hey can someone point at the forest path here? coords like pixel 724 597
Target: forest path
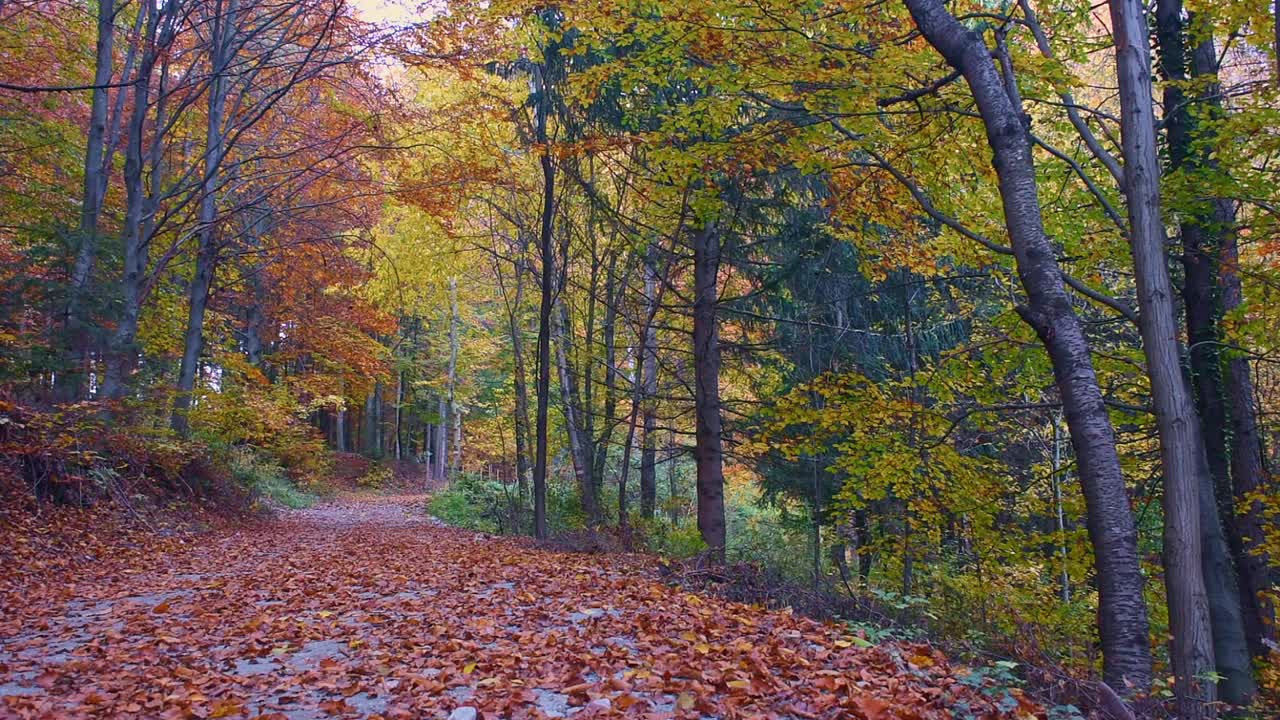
pixel 365 607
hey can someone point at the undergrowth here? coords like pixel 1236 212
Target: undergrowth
pixel 88 454
pixel 267 478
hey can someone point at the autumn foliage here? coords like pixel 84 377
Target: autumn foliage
pixel 932 315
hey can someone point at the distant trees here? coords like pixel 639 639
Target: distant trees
pixel 281 102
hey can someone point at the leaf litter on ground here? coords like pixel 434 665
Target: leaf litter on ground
pixel 365 607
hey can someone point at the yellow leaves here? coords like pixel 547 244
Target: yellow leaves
pixel 226 708
pixel 921 660
pixel 853 641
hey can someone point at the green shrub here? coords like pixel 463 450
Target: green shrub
pixel 377 477
pixel 457 507
pixel 681 541
pixel 264 477
pixel 765 534
pixel 478 503
pixel 472 502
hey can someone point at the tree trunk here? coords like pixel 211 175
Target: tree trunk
pixel 1122 611
pixel 193 340
pixel 579 444
pixel 340 423
pixel 520 386
pixel 399 414
pixel 121 355
pixel 1181 447
pixel 625 470
pixel 95 168
pixel 708 451
pixel 442 440
pixel 547 248
pixel 457 442
pixel 70 381
pixel 1201 230
pixel 221 43
pixel 609 333
pixel 1060 517
pixel 453 372
pixel 1248 474
pixel 369 441
pixel 649 386
pixel 254 317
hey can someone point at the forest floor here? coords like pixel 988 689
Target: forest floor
pixel 365 607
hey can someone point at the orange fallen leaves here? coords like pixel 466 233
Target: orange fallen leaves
pixel 366 610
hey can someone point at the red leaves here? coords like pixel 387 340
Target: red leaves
pixel 366 610
pixel 870 707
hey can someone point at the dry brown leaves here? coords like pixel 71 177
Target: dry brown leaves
pixel 364 608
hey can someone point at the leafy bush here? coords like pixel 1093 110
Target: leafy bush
pixel 268 418
pixel 377 477
pixel 79 455
pixel 681 541
pixel 472 502
pixel 264 477
pixel 488 505
pixel 452 506
pixel 765 534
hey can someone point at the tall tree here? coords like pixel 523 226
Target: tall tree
pixel 547 251
pixel 1181 443
pixel 224 26
pixel 1201 232
pixel 649 386
pixel 1122 615
pixel 708 449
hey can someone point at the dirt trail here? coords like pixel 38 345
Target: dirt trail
pixel 367 608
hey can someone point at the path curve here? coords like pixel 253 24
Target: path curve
pixel 367 608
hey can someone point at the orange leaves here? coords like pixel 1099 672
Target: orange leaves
pixel 367 610
pixel 226 708
pixel 870 707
